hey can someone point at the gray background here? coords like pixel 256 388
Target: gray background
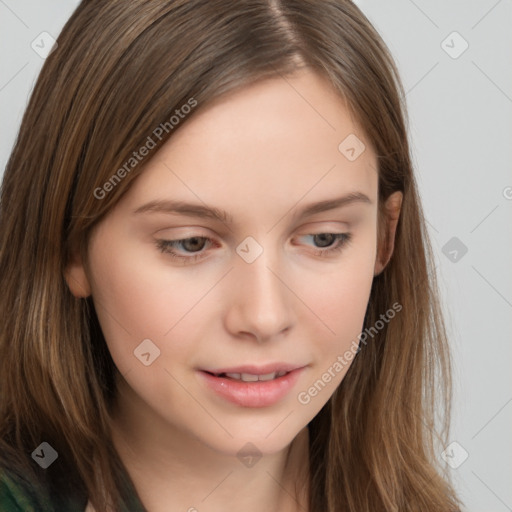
pixel 460 107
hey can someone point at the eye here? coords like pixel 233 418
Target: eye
pixel 329 243
pixel 193 246
pixel 188 250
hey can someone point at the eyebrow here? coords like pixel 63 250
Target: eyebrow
pixel 209 212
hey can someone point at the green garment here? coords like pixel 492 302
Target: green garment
pixel 16 495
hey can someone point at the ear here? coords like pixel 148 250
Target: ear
pixel 387 230
pixel 76 276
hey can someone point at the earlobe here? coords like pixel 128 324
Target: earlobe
pixel 76 278
pixel 387 231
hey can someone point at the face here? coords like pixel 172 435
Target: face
pixel 246 247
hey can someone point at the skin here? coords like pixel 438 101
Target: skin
pixel 262 154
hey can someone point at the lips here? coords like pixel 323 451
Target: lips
pixel 252 386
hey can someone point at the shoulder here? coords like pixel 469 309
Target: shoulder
pixel 15 495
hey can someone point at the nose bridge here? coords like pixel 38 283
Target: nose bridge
pixel 261 302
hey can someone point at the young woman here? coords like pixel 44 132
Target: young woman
pixel 216 282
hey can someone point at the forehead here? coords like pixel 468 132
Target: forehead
pixel 275 140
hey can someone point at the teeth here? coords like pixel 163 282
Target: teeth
pixel 268 376
pixel 249 377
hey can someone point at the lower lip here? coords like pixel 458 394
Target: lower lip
pixel 252 394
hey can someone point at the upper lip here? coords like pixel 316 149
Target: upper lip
pixel 256 370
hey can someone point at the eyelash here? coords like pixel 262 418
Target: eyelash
pixel 165 246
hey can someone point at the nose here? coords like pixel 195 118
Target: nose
pixel 260 303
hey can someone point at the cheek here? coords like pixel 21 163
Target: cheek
pixel 347 295
pixel 136 298
pixel 341 299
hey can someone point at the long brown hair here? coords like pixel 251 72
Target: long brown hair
pixel 121 70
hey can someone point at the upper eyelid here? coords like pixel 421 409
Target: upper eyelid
pixel 308 229
pixel 325 232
